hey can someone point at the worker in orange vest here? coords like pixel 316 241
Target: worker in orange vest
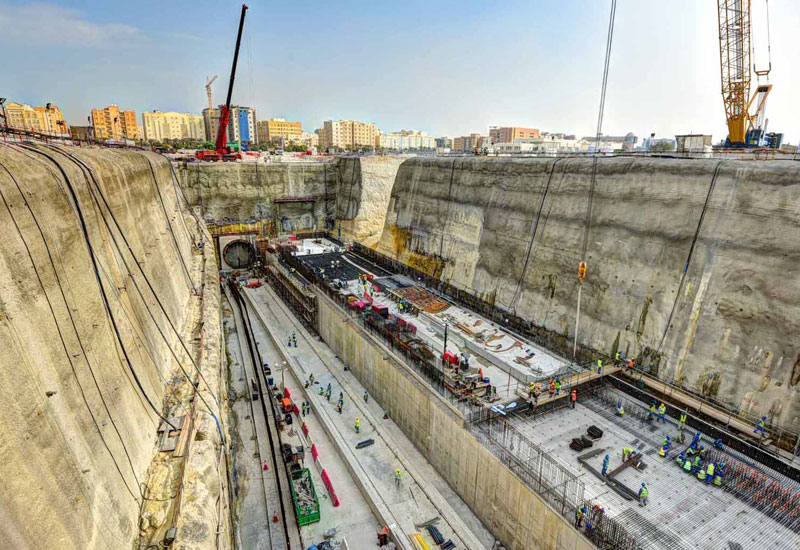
pixel 552 387
pixel 574 397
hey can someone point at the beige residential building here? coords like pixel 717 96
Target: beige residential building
pixel 160 126
pixel 280 130
pixel 345 134
pixel 509 134
pixel 43 120
pixel 111 123
pixel 470 143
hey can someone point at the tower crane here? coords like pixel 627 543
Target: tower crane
pixel 209 81
pixel 745 113
pixel 222 151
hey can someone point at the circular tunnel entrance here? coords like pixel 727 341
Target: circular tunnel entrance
pixel 239 254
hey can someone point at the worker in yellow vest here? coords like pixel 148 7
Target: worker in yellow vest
pixel 358 424
pixel 682 423
pixel 620 409
pixel 710 473
pixel 643 494
pixel 397 477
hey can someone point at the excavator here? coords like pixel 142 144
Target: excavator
pixel 747 125
pixel 222 151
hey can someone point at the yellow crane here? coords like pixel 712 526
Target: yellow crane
pixel 745 113
pixel 209 81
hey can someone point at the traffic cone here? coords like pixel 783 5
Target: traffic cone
pixel 274 517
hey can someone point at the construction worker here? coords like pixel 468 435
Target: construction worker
pixel 397 477
pixel 652 412
pixel 701 474
pixel 599 366
pixel 631 363
pixel 358 424
pixel 617 357
pixel 366 397
pixel 558 386
pixel 696 441
pixel 662 411
pixel 680 459
pixel 327 394
pixel 760 426
pixel 626 452
pixel 552 387
pixel 605 464
pixel 307 384
pixel 532 388
pixel 687 466
pixel 643 494
pixel 320 391
pixel 663 451
pixel 339 407
pixel 682 422
pixel 710 473
pixel 289 341
pixel 620 409
pixel 294 340
pixel 718 444
pixel 720 471
pixel 311 378
pixel 667 443
pixel 574 397
pixel 698 464
pixel 578 517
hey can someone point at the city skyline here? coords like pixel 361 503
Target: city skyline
pixel 544 72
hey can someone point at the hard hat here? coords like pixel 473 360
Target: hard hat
pixel 642 484
pixel 608 456
pixel 667 438
pixel 763 418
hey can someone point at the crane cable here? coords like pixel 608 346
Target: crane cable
pixel 582 268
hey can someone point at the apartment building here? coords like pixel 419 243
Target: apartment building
pixel 112 123
pixel 280 130
pixel 346 134
pixel 160 126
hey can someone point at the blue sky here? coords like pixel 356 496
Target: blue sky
pixel 448 68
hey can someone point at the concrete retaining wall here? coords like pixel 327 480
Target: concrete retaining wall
pixel 512 230
pixel 511 510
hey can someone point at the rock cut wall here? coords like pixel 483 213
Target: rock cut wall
pixel 350 194
pixel 513 230
pixel 75 378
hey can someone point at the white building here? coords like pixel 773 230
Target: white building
pixel 407 140
pixel 546 144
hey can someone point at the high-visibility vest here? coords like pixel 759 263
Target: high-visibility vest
pixel 600 363
pixel 683 418
pixel 358 422
pixel 643 492
pixel 760 423
pixel 558 385
pixel 533 386
pixel 710 470
pixel 687 465
pixel 397 473
pixel 662 452
pixel 617 356
pixel 574 395
pixel 652 407
pixel 662 409
pixel 620 409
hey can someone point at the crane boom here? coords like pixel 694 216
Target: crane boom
pixel 735 50
pixel 209 81
pixel 734 53
pixel 224 114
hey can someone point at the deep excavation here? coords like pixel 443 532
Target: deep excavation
pixel 380 373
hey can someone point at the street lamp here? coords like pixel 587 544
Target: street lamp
pixel 283 377
pixel 5 116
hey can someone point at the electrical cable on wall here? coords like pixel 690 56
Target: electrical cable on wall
pixel 144 276
pixel 61 335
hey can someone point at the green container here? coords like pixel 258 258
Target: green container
pixel 304 497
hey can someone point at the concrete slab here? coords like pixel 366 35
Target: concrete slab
pixel 422 494
pixel 353 520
